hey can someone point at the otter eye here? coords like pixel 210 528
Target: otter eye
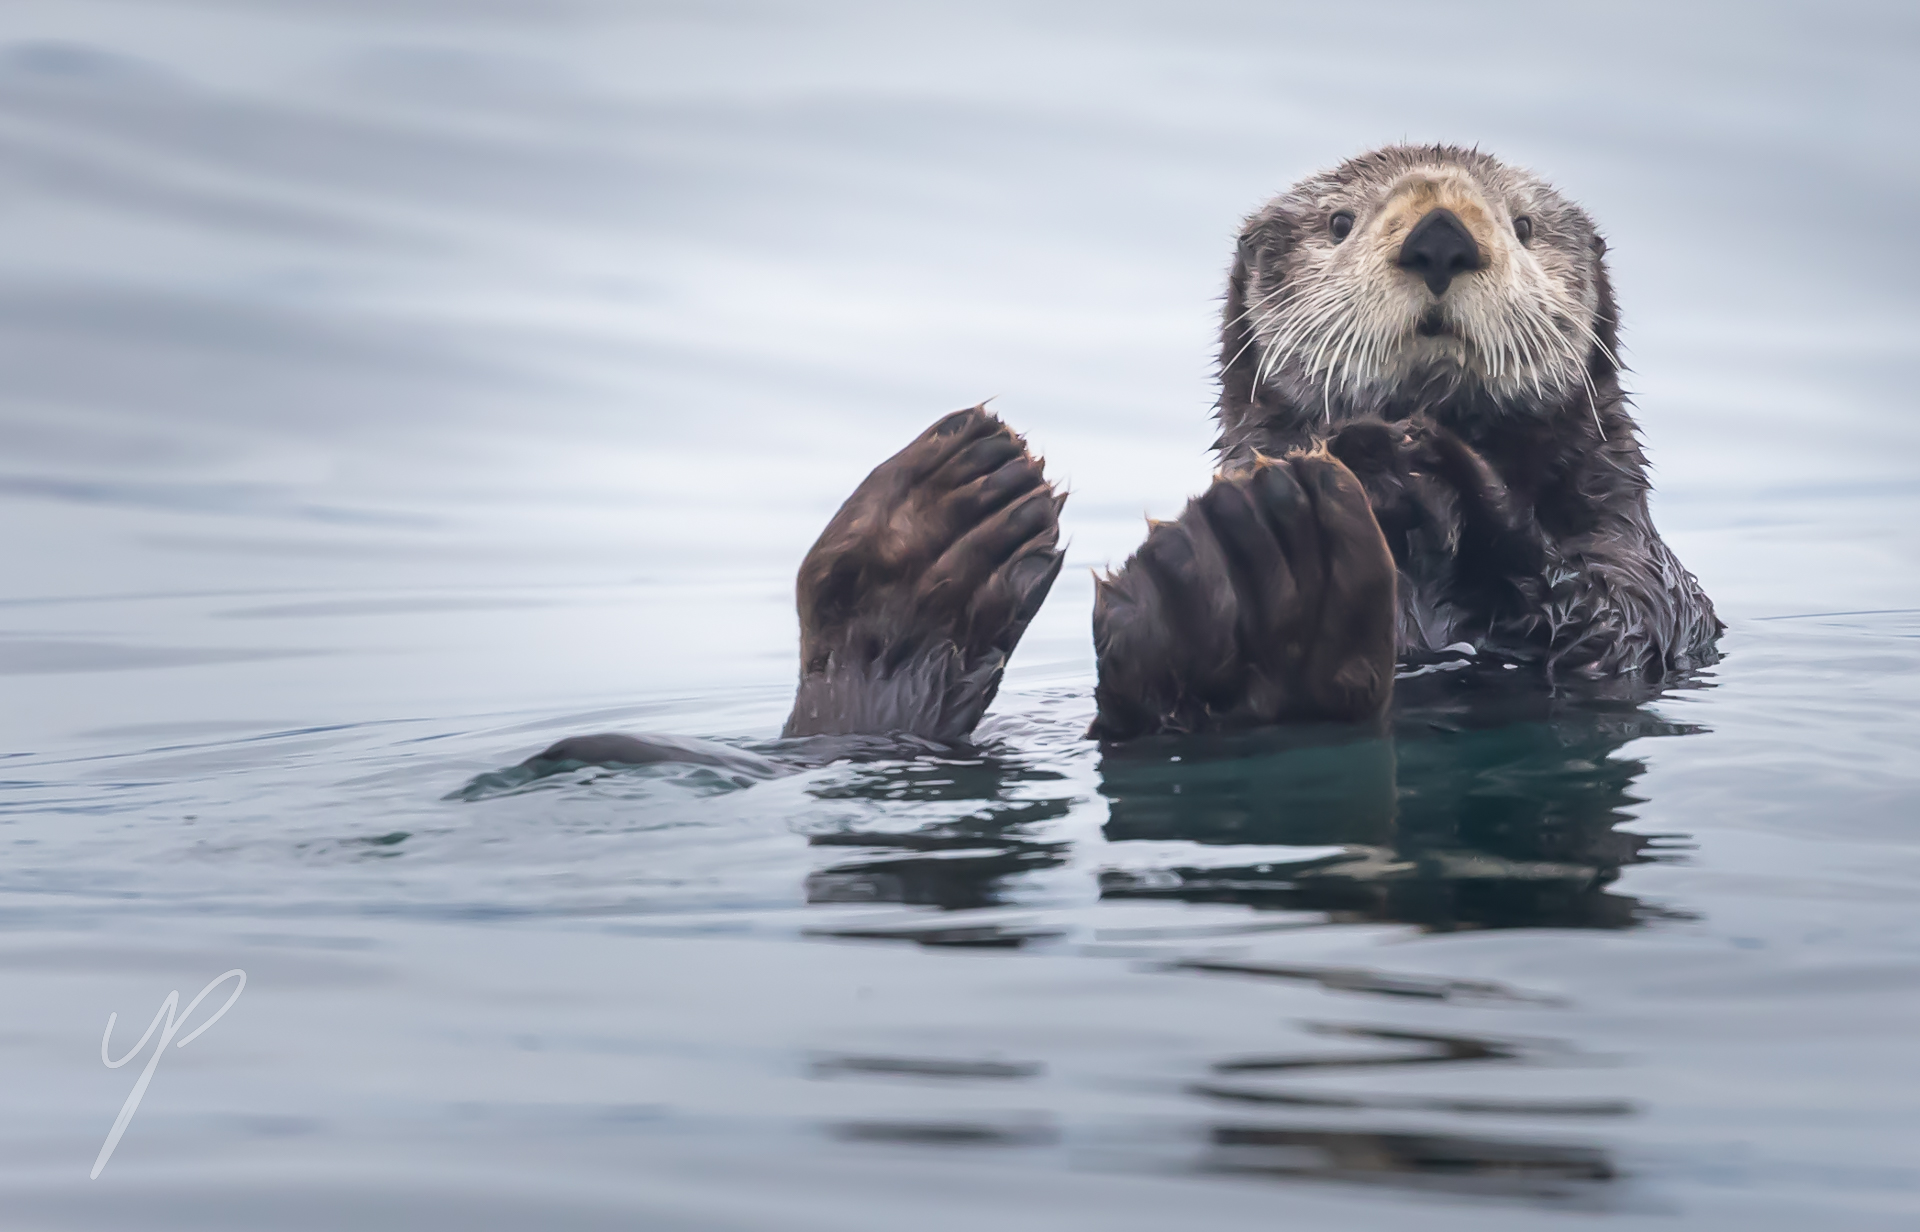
pixel 1523 228
pixel 1340 225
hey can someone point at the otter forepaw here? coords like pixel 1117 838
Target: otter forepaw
pixel 1270 600
pixel 916 593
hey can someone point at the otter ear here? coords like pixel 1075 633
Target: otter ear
pixel 1262 245
pixel 1605 355
pixel 1262 242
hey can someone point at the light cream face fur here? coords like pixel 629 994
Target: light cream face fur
pixel 1337 323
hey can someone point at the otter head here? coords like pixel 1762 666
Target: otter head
pixel 1416 278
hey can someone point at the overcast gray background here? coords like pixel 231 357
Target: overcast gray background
pixel 396 292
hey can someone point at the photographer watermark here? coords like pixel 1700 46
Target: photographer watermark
pixel 172 1025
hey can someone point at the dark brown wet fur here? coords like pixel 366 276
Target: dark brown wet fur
pixel 916 593
pixel 1270 600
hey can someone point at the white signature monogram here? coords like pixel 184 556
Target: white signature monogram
pixel 173 1024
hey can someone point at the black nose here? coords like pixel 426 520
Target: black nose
pixel 1438 247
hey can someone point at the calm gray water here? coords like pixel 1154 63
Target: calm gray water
pixel 388 387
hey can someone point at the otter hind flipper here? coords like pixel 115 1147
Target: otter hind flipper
pixel 917 592
pixel 1270 599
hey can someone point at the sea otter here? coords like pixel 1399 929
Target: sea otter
pixel 1436 329
pixel 1423 443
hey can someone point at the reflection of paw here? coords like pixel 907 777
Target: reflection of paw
pixel 1270 600
pixel 921 585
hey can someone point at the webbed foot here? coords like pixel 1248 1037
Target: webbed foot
pixel 916 593
pixel 1270 600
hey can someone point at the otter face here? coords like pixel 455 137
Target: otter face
pixel 1412 276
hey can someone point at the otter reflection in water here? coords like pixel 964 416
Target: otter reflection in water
pixel 1489 804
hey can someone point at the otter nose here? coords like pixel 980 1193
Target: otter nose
pixel 1438 247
